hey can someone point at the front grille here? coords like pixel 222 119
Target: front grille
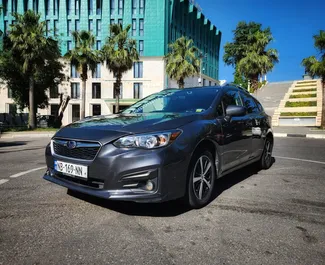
pixel 82 150
pixel 92 183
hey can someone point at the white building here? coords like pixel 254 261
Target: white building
pixel 146 77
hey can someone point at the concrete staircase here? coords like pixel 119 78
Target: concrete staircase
pixel 298 92
pixel 271 95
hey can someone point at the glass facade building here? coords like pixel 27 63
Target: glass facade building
pixel 154 24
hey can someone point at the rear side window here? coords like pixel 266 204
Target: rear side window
pixel 249 103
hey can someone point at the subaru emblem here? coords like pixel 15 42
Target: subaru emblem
pixel 71 144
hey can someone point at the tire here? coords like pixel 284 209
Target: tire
pixel 266 158
pixel 199 186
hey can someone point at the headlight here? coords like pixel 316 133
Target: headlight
pixel 147 141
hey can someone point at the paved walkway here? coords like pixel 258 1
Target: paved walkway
pixel 271 95
pixel 309 132
pixel 26 134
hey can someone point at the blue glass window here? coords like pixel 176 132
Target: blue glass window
pixel 90 7
pixel 112 5
pixel 141 6
pixel 137 90
pixel 141 27
pixel 141 47
pixel 120 7
pixel 138 70
pixel 75 90
pixel 134 27
pixel 77 25
pixel 74 72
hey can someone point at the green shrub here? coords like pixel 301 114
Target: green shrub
pixel 303 96
pixel 305 90
pixel 260 84
pixel 299 114
pixel 301 104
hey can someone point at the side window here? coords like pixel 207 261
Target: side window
pixel 249 103
pixel 231 98
pixel 220 109
pixel 259 105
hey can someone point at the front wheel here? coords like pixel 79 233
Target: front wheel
pixel 202 175
pixel 266 158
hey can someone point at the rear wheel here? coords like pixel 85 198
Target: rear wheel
pixel 202 175
pixel 266 159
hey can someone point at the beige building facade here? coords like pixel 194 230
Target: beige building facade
pixel 146 77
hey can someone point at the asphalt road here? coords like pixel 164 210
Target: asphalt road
pixel 268 217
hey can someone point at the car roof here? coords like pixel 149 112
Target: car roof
pixel 223 87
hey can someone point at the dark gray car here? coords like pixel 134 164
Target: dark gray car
pixel 169 145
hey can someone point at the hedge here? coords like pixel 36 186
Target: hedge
pixel 303 96
pixel 301 104
pixel 301 114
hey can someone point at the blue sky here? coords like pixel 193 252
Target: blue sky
pixel 292 22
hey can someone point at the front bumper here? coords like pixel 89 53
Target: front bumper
pixel 121 174
pixel 124 195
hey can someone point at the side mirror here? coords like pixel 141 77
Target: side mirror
pixel 235 111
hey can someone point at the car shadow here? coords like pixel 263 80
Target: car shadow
pixel 13 143
pixel 170 208
pixel 234 178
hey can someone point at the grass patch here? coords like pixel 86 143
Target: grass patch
pixel 300 114
pixel 290 104
pixel 305 90
pixel 307 87
pixel 306 82
pixel 303 96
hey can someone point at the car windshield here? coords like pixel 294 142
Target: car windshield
pixel 174 100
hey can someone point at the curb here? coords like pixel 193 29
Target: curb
pixel 26 135
pixel 44 135
pixel 314 136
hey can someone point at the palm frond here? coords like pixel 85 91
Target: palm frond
pixel 182 60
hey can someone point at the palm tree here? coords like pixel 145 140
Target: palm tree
pixel 182 60
pixel 119 52
pixel 33 49
pixel 248 54
pixel 316 67
pixel 258 60
pixel 84 58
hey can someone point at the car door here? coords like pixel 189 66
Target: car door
pixel 256 117
pixel 261 128
pixel 236 135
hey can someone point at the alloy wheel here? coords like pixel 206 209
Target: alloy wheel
pixel 202 177
pixel 268 152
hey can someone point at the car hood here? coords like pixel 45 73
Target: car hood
pixel 109 128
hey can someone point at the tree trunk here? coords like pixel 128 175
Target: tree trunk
pixel 84 77
pixel 83 100
pixel 59 115
pixel 118 91
pixel 323 110
pixel 181 83
pixel 32 110
pixel 254 83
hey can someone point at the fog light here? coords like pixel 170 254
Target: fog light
pixel 52 174
pixel 149 185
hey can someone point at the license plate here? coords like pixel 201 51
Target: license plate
pixel 71 169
